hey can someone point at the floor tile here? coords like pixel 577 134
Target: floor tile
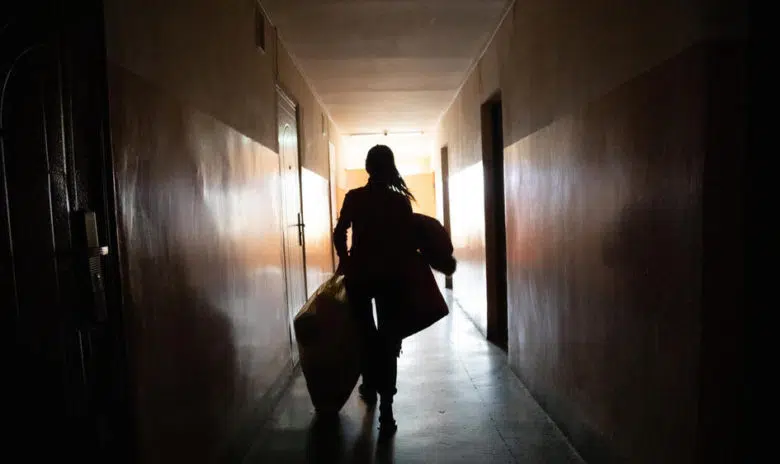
pixel 458 402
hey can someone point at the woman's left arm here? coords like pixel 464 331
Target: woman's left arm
pixel 340 232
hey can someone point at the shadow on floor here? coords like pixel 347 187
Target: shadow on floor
pixel 328 440
pixel 325 440
pixel 458 403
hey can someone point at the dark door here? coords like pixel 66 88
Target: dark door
pixel 64 377
pixel 445 194
pixel 495 227
pixel 292 215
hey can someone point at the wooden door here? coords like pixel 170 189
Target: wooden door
pixel 294 228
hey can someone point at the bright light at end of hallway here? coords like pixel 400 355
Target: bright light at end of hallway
pixel 412 150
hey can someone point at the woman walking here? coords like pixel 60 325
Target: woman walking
pixel 380 215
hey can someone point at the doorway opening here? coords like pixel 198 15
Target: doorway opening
pixel 495 226
pixel 445 195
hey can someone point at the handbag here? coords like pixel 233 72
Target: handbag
pixel 422 304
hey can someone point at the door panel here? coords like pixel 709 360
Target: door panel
pixel 294 239
pixel 57 390
pixel 47 377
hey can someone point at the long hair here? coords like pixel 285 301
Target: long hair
pixel 380 164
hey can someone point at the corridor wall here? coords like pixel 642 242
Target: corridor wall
pixel 623 140
pixel 194 137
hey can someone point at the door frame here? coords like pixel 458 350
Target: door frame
pixel 491 120
pixel 444 161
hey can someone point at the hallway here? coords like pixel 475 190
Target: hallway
pixel 171 174
pixel 457 402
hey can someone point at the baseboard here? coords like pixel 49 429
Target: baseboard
pixel 592 446
pixel 247 429
pixel 470 318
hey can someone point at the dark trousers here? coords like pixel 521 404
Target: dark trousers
pixel 380 347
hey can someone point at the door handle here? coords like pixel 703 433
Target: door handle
pixel 92 272
pixel 300 225
pixel 97 251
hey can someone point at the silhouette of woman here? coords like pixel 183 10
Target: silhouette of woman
pixel 380 215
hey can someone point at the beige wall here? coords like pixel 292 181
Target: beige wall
pixel 586 88
pixel 422 187
pixel 194 133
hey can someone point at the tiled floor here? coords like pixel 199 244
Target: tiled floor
pixel 457 402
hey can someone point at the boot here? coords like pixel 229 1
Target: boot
pixel 387 425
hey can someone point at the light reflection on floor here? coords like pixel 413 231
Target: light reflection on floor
pixel 457 402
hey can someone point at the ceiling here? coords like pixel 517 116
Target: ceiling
pixel 381 65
